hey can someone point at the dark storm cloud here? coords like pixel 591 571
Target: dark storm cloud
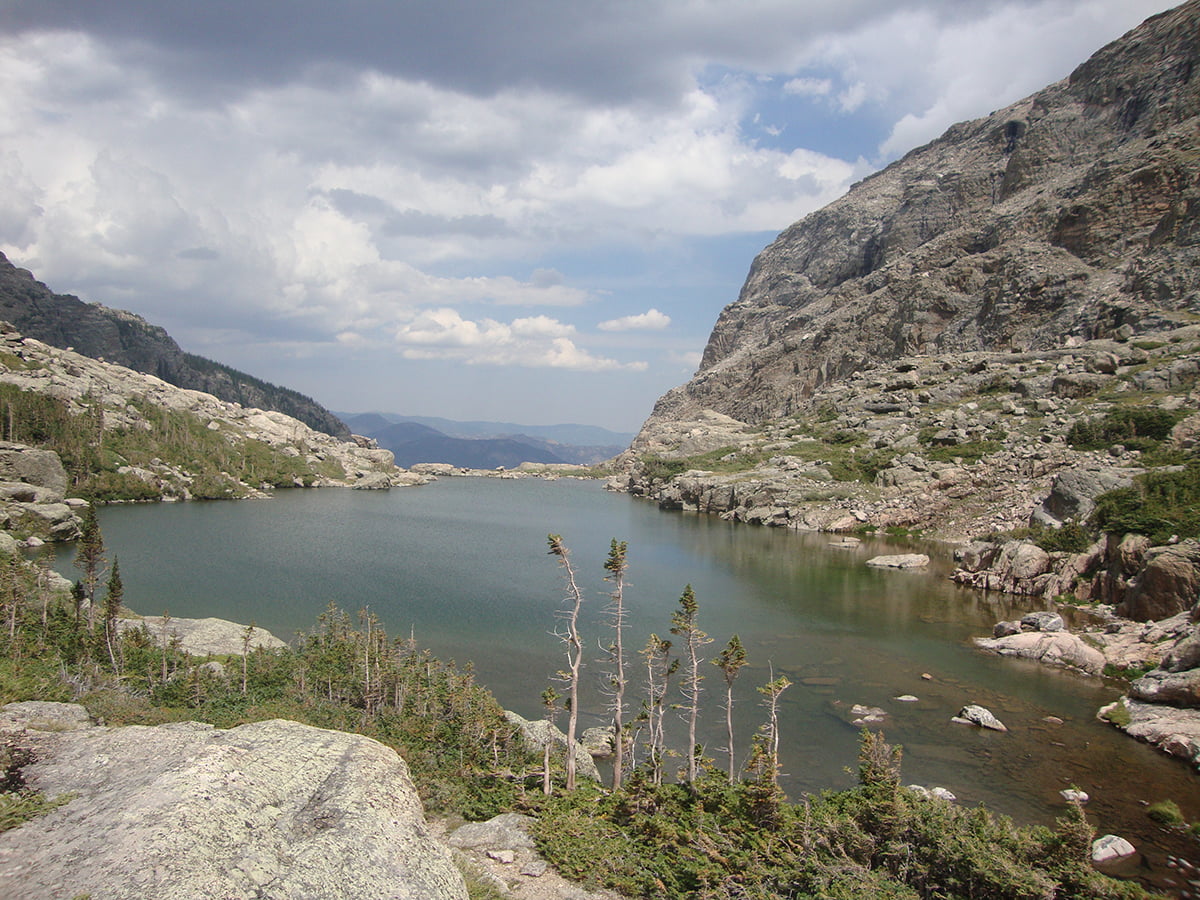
pixel 614 50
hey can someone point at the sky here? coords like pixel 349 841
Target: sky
pixel 518 210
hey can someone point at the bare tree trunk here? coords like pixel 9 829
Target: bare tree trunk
pixel 574 650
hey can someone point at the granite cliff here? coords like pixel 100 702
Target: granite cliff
pixel 121 337
pixel 916 353
pixel 1066 217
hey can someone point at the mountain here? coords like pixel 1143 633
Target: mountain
pixel 933 350
pixel 1068 216
pixel 416 439
pixel 117 336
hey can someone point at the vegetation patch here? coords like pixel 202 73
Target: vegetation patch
pixel 1134 427
pixel 1158 504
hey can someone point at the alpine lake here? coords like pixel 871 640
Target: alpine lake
pixel 462 565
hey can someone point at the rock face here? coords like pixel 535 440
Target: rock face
pixel 33 501
pixel 121 337
pixel 271 809
pixel 915 354
pixel 538 732
pixel 1070 214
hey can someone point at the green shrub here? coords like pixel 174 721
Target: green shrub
pixel 1158 505
pixel 1165 812
pixel 1136 427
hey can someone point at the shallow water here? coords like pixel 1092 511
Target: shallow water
pixel 463 564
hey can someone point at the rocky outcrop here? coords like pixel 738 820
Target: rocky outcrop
pixel 33 501
pixel 271 809
pixel 915 354
pixel 126 396
pixel 125 339
pixel 1168 583
pixel 1173 730
pixel 1052 648
pixel 204 637
pixel 1067 216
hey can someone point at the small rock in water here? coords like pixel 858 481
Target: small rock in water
pixel 1043 621
pixel 1111 847
pixel 943 794
pixel 978 715
pixel 906 698
pixel 900 561
pixel 1052 720
pixel 1073 795
pixel 925 676
pixel 866 715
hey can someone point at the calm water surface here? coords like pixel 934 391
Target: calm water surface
pixel 463 564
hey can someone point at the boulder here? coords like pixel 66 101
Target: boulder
pixel 1172 730
pixel 899 561
pixel 1057 648
pixel 202 637
pixel 1169 583
pixel 1110 846
pixel 38 468
pixel 270 809
pixel 507 831
pixel 1042 621
pixel 973 714
pixel 537 732
pixel 1074 491
pixel 1172 688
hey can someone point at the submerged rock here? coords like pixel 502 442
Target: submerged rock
pixel 900 561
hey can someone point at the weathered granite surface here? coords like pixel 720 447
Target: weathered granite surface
pixel 268 810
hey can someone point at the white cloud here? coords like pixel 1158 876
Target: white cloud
pixel 809 87
pixel 650 320
pixel 533 342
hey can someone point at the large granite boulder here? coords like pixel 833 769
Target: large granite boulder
pixel 1168 584
pixel 204 637
pixel 185 811
pixel 536 733
pixel 1058 648
pixel 1074 492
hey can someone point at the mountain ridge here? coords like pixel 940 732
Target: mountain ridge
pixel 125 338
pixel 1068 214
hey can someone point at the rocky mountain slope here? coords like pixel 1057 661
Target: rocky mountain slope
pixel 117 336
pixel 984 292
pixel 126 435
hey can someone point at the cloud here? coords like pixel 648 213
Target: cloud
pixel 532 342
pixel 650 320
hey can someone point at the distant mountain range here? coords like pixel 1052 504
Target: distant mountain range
pixel 121 337
pixel 485 445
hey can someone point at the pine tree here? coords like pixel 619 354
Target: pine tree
pixel 89 558
pixel 570 637
pixel 112 612
pixel 615 565
pixel 683 624
pixel 730 661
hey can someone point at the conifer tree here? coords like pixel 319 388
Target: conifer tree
pixel 660 666
pixel 683 625
pixel 730 660
pixel 89 558
pixel 615 565
pixel 112 612
pixel 570 637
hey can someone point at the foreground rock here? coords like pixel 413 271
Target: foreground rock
pixel 175 812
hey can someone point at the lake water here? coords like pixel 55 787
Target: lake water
pixel 462 563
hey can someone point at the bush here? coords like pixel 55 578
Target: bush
pixel 1136 427
pixel 1158 505
pixel 1165 812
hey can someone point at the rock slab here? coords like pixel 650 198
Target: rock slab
pixel 268 810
